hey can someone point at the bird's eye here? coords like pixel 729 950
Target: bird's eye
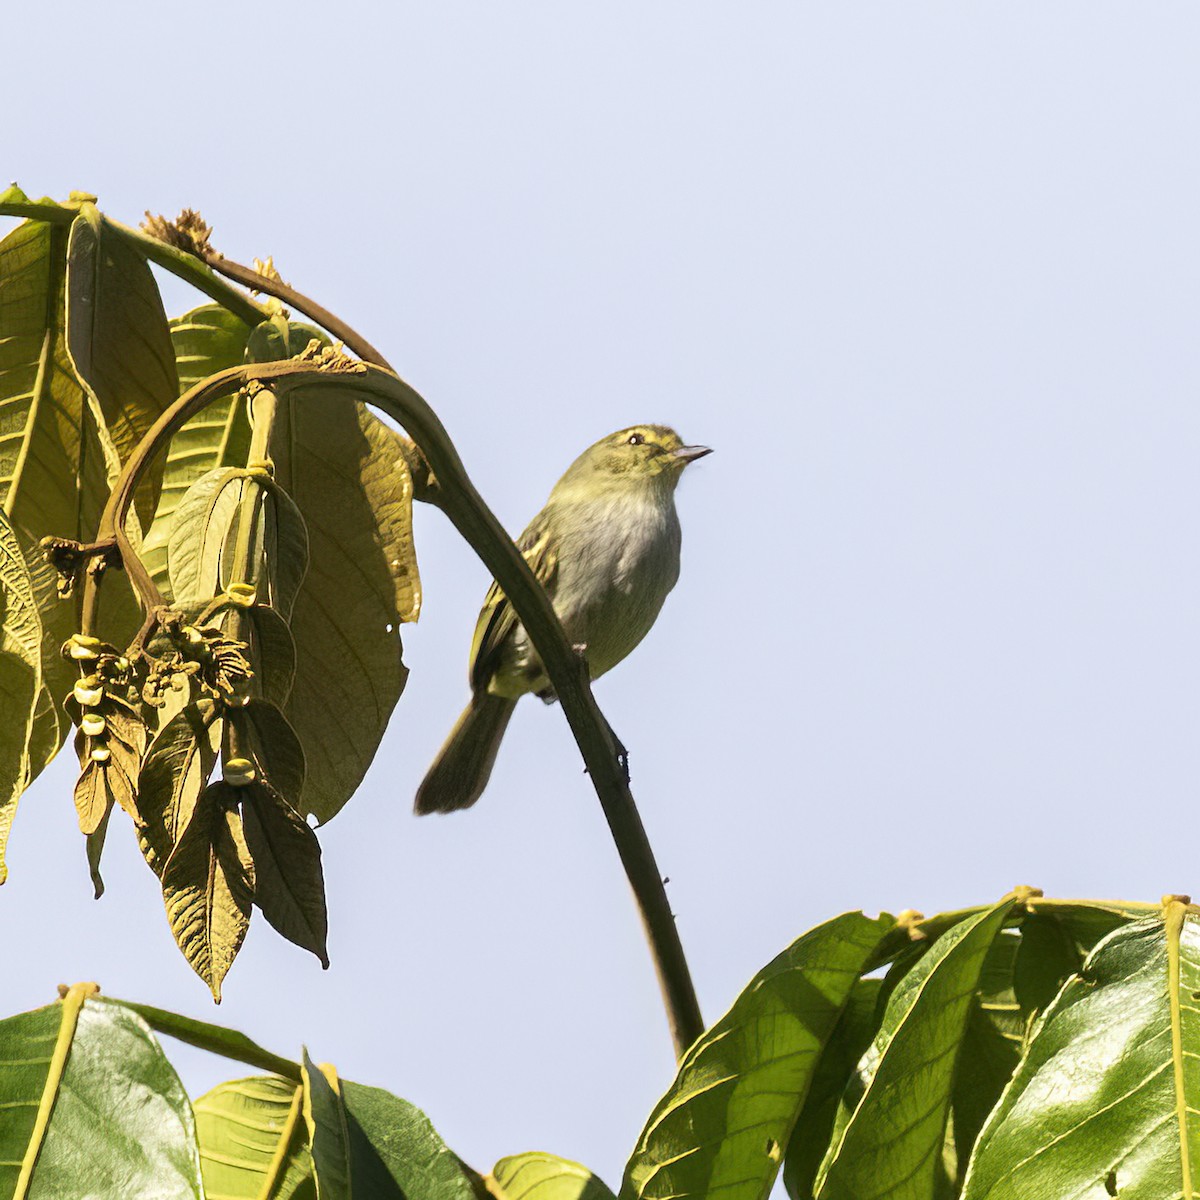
pixel 636 439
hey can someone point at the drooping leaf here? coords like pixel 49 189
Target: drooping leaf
pixel 95 850
pixel 347 474
pixel 109 762
pixel 810 1138
pixel 175 773
pixel 286 547
pixel 537 1176
pixel 274 748
pixel 1047 957
pixel 722 1126
pixel 53 472
pixel 208 886
pixel 20 677
pixel 206 340
pixel 119 340
pixel 891 1144
pixel 253 1141
pixel 1104 1102
pixel 270 649
pixel 62 1065
pixel 289 883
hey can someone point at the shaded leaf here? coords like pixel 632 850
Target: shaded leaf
pixel 537 1176
pixel 118 339
pixel 289 883
pixel 176 771
pixel 113 780
pixel 53 473
pixel 270 649
pixel 65 1063
pixel 891 1144
pixel 95 849
pixel 1105 1099
pixel 253 1141
pixel 274 747
pixel 208 886
pixel 723 1123
pixel 20 677
pixel 286 546
pixel 1047 957
pixel 810 1138
pixel 347 474
pixel 206 340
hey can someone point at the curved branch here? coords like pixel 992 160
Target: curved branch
pixel 473 519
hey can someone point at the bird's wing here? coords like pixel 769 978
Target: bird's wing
pixel 497 621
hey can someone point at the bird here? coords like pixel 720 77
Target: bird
pixel 606 548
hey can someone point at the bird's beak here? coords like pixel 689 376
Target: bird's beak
pixel 688 454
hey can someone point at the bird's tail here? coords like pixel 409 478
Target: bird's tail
pixel 464 764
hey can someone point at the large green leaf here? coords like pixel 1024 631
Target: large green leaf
pixel 538 1176
pixel 253 1141
pixel 347 474
pixel 890 1146
pixel 119 340
pixel 20 676
pixel 201 528
pixel 722 1126
pixel 53 468
pixel 62 1067
pixel 1105 1101
pixel 206 340
pixel 367 1144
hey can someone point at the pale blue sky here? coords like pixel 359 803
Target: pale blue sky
pixel 925 275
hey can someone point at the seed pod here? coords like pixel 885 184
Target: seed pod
pixel 238 772
pixel 101 754
pixel 93 724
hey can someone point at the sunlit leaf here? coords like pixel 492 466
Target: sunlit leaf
pixel 328 1137
pixel 538 1176
pixel 722 1126
pixel 62 1065
pixel 118 339
pixel 1105 1101
pixel 202 525
pixel 20 677
pixel 253 1141
pixel 347 475
pixel 891 1144
pixel 208 886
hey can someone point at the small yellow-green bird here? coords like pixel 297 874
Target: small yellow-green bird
pixel 606 549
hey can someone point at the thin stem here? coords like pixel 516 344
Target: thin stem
pixel 478 525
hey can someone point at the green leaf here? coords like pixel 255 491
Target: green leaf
pixel 53 472
pixel 891 1144
pixel 113 780
pixel 538 1176
pixel 253 1141
pixel 175 773
pixel 722 1125
pixel 1105 1101
pixel 810 1138
pixel 348 477
pixel 208 886
pixel 206 340
pixel 328 1137
pixel 274 748
pixel 62 1065
pixel 1047 957
pixel 270 649
pixel 202 526
pixel 118 339
pixel 20 677
pixel 286 546
pixel 289 883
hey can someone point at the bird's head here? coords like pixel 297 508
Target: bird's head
pixel 641 454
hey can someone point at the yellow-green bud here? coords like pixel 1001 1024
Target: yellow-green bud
pixel 101 754
pixel 238 772
pixel 88 691
pixel 82 648
pixel 93 724
pixel 242 595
